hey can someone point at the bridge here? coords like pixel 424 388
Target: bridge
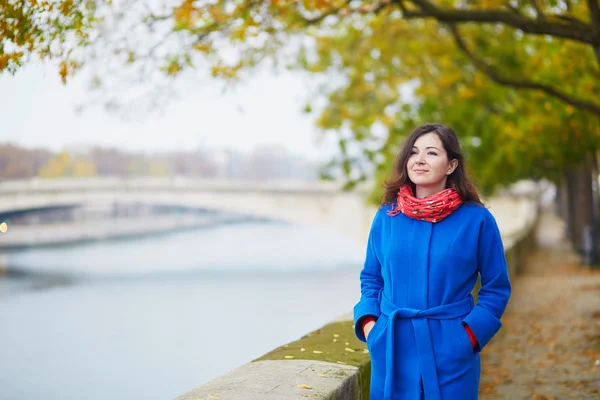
pixel 319 204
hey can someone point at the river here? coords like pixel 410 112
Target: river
pixel 153 317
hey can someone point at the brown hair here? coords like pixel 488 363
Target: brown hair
pixel 459 179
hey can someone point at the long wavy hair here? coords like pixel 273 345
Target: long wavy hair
pixel 459 179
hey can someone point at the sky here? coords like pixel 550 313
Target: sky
pixel 37 110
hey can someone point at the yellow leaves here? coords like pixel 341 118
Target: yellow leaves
pixel 216 15
pixel 63 165
pixel 448 79
pixel 318 5
pixel 479 80
pixel 63 70
pixel 185 15
pixel 303 386
pixel 589 88
pixel 349 350
pixel 225 71
pixel 466 93
pixel 317 352
pixel 67 68
pixel 203 47
pixel 5 59
pixel 289 357
pixel 173 67
pixel 239 33
pixel 66 7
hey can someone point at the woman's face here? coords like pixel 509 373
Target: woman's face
pixel 428 166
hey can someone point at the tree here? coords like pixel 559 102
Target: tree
pixel 64 165
pixel 19 163
pixel 50 29
pixel 520 79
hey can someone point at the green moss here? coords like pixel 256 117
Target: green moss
pixel 335 343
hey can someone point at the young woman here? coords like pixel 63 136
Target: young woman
pixel 429 241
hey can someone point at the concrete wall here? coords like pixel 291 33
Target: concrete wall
pixel 330 363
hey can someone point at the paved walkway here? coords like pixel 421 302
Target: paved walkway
pixel 549 346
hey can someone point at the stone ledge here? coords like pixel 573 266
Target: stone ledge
pixel 289 379
pixel 333 343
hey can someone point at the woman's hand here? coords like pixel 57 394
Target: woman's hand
pixel 367 328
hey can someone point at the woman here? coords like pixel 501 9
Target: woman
pixel 429 241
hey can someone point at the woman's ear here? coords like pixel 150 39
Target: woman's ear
pixel 452 167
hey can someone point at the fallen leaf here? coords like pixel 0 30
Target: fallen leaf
pixel 303 386
pixel 349 349
pixel 336 335
pixel 289 356
pixel 317 352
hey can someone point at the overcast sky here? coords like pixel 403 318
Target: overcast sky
pixel 37 110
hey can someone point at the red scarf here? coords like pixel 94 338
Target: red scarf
pixel 433 208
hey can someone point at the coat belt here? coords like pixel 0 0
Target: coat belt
pixel 423 337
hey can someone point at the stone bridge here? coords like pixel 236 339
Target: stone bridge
pixel 314 203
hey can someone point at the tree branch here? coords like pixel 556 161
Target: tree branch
pixel 373 9
pixel 316 20
pixel 594 13
pixel 595 18
pixel 567 28
pixel 488 70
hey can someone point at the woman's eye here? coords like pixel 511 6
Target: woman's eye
pixel 413 152
pixel 432 153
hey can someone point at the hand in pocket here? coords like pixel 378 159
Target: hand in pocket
pixel 368 327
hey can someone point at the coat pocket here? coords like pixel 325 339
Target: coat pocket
pixel 376 331
pixel 462 341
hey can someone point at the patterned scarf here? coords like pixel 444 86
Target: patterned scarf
pixel 433 208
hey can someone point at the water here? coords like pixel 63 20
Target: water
pixel 153 318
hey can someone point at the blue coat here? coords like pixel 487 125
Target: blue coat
pixel 417 279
